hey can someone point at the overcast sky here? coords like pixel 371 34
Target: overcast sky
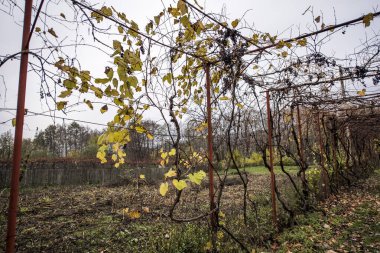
pixel 273 16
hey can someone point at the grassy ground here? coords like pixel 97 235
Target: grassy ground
pixel 260 170
pixel 95 219
pixel 351 223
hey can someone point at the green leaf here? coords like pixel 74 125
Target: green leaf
pixel 180 185
pixel 197 177
pixel 235 23
pixel 164 187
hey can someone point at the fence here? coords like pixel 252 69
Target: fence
pixel 76 172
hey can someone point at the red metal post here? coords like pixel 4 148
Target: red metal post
pixel 272 175
pixel 14 193
pixel 213 219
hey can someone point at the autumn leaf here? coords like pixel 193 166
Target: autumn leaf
pixel 65 93
pixel 235 23
pixel 180 185
pixel 172 152
pixel 134 215
pixel 142 176
pixel 182 7
pixel 361 92
pixel 318 19
pixel 89 104
pixel 164 187
pixel 14 122
pixel 170 173
pixel 61 105
pixel 104 109
pixel 367 19
pixel 197 177
pixel 52 32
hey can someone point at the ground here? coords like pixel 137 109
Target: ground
pixel 101 219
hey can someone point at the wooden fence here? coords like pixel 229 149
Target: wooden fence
pixel 77 172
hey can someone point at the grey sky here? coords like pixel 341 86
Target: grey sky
pixel 271 16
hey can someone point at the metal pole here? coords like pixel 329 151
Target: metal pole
pixel 272 175
pixel 14 193
pixel 213 219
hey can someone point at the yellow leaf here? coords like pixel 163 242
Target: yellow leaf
pixel 197 177
pixel 172 152
pixel 125 211
pixel 235 23
pixel 134 214
pixel 180 185
pixel 239 105
pixel 142 176
pixel 224 98
pixel 182 7
pixel 284 54
pixel 65 93
pixel 61 105
pixel 362 92
pixel 104 109
pixel 114 157
pixel 14 122
pixel 367 19
pixel 164 187
pixel 140 129
pixel 150 136
pixel 164 155
pixel 170 173
pixel 89 104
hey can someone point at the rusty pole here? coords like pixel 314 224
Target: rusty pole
pixel 322 162
pixel 272 175
pixel 14 193
pixel 213 219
